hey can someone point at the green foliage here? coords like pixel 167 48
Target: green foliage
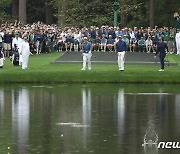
pixel 137 12
pixel 4 3
pixel 4 16
pixel 80 13
pixel 35 11
pixel 164 10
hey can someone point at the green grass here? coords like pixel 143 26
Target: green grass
pixel 173 58
pixel 41 71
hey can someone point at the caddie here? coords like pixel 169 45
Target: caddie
pixel 25 52
pixel 16 43
pixel 1 57
pixel 86 53
pixel 177 38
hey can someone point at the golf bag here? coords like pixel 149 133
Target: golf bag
pixel 15 57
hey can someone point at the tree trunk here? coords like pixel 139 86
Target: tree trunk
pixel 61 13
pixel 49 15
pixel 15 9
pixel 152 13
pixel 22 11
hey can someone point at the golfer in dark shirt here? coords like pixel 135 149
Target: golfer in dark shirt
pixel 161 50
pixel 121 49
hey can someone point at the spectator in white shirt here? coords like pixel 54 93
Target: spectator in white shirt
pixel 149 44
pixel 1 38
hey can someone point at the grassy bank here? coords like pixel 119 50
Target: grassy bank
pixel 41 71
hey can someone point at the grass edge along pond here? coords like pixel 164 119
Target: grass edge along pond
pixel 42 71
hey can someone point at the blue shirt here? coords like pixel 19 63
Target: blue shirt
pixel 86 46
pixel 161 48
pixel 155 41
pixel 7 38
pixel 38 37
pixel 121 46
pixel 112 33
pixel 69 40
pixel 104 40
pixel 110 41
pixel 93 34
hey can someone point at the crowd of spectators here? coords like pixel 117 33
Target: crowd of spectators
pixel 47 38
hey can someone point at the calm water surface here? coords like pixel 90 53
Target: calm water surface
pixel 99 119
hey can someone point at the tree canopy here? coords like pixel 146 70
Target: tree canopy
pixel 80 13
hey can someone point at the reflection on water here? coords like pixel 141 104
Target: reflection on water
pixel 86 114
pixel 88 119
pixel 20 119
pixel 86 106
pixel 151 136
pixel 150 139
pixel 177 111
pixel 121 113
pixel 1 101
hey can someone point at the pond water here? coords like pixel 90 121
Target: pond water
pixel 99 119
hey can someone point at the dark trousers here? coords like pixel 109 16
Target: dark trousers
pixel 161 57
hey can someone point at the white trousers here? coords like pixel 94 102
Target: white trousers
pixel 25 59
pixel 75 47
pixel 20 59
pixel 121 60
pixel 87 58
pixel 178 47
pixel 1 62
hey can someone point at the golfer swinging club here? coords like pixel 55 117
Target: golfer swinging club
pixel 86 53
pixel 121 49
